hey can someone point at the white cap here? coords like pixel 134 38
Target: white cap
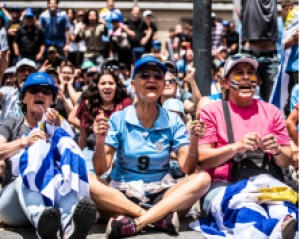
pixel 147 13
pixel 26 62
pixel 213 15
pixel 222 48
pixel 238 58
pixel 10 70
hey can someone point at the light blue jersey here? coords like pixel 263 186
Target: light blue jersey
pixel 142 153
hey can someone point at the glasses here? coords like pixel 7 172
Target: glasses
pixel 171 81
pixel 146 75
pixel 111 67
pixel 43 89
pixel 67 73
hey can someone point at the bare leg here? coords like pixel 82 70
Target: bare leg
pixel 179 198
pixel 112 200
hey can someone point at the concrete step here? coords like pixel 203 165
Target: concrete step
pixel 98 232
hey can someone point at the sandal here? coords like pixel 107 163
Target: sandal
pixel 288 231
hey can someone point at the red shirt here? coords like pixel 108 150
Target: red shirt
pixel 83 115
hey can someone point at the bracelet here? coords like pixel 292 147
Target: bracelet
pixel 100 155
pixel 193 154
pixel 278 152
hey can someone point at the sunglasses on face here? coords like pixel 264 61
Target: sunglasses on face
pixel 171 81
pixel 113 67
pixel 67 73
pixel 44 90
pixel 146 75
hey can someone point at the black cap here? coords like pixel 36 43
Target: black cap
pixel 171 66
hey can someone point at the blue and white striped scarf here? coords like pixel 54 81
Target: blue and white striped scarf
pixel 54 167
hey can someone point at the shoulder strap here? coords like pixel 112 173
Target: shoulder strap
pixel 228 122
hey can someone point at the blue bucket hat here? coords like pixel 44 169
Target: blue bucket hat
pixel 40 78
pixel 148 61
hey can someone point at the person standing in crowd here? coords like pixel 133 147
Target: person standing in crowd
pixel 120 36
pixel 217 34
pixel 231 39
pixel 259 37
pixel 12 26
pixel 3 33
pixel 136 24
pixel 56 26
pixel 171 49
pixel 146 161
pixel 72 56
pixel 286 7
pixel 29 40
pixel 92 32
pixel 81 44
pixel 147 17
pixel 9 96
pixel 106 15
pixel 291 48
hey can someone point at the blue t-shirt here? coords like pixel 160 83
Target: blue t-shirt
pixel 294 97
pixel 293 62
pixel 182 66
pixel 106 14
pixel 215 97
pixel 142 153
pixel 55 27
pixel 280 26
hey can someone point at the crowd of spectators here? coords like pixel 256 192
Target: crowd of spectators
pixel 103 69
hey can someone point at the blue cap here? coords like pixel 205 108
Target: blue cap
pixel 156 44
pixel 40 78
pixel 15 8
pixel 174 105
pixel 29 13
pixel 115 17
pixel 148 61
pixel 225 23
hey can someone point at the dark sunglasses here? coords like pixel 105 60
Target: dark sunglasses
pixel 145 75
pixel 171 81
pixel 67 73
pixel 44 90
pixel 111 67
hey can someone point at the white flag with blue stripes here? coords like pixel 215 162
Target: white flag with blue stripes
pixel 280 92
pixel 54 167
pixel 248 210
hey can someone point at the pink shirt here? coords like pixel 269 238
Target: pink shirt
pixel 260 117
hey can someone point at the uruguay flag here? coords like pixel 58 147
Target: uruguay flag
pixel 279 95
pixel 54 167
pixel 253 208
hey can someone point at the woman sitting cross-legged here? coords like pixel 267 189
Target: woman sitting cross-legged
pixel 142 192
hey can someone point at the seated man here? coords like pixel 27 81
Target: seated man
pixel 22 205
pixel 251 127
